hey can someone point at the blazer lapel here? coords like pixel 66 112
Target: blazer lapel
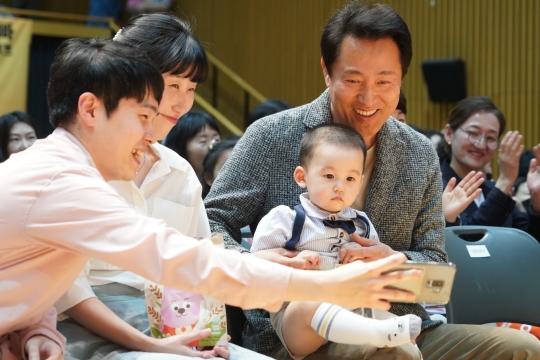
pixel 389 154
pixel 318 111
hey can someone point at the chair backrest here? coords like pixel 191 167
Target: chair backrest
pixel 503 287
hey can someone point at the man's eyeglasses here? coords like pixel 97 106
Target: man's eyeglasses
pixel 476 138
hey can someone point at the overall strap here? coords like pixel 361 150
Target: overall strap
pixel 298 225
pixel 366 222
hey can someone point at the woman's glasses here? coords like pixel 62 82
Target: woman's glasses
pixel 476 138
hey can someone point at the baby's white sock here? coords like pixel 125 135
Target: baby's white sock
pixel 339 325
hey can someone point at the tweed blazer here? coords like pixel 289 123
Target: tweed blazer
pixel 403 200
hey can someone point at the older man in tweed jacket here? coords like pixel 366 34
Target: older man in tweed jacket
pixel 403 197
pixel 258 177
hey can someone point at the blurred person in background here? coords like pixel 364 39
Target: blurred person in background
pixel 191 137
pixel 17 133
pixel 215 159
pixel 266 108
pixel 520 193
pixel 401 109
pixel 435 137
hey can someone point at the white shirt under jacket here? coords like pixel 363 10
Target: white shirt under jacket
pixel 55 207
pixel 171 191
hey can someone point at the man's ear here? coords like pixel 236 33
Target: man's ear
pixel 325 73
pixel 86 109
pixel 300 177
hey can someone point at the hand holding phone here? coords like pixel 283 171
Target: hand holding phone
pixel 436 284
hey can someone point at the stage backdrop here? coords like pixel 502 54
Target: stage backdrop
pixel 15 39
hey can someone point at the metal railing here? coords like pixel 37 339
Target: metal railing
pixel 59 16
pixel 219 69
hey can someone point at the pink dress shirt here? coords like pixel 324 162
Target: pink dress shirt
pixel 55 207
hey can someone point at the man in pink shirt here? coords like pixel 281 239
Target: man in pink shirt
pixel 56 211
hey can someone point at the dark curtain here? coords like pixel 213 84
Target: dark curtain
pixel 42 52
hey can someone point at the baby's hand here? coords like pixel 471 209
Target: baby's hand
pixel 313 257
pixel 350 252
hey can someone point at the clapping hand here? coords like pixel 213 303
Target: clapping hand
pixel 455 199
pixel 510 151
pixel 533 179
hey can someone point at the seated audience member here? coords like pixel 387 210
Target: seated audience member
pixel 60 211
pixel 323 228
pixel 368 45
pixel 472 134
pixel 17 132
pixel 401 110
pixel 266 108
pixel 166 187
pixel 191 137
pixel 215 159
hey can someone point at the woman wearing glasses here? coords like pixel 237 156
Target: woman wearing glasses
pixel 472 135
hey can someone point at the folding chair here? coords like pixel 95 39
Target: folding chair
pixel 501 287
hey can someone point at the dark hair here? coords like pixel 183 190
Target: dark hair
pixel 6 123
pixel 524 162
pixel 169 42
pixel 519 180
pixel 110 70
pixel 266 108
pixel 330 133
pixel 366 22
pixel 402 103
pixel 470 106
pixel 212 157
pixel 189 125
pixel 429 133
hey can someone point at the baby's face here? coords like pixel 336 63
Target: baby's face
pixel 334 176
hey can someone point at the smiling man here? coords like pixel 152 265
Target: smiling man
pixel 56 211
pixel 366 52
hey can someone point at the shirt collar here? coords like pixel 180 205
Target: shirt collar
pixel 160 168
pixel 168 162
pixel 318 111
pixel 60 132
pixel 316 212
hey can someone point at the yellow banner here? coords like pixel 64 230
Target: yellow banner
pixel 15 39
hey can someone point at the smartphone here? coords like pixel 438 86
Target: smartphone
pixel 434 287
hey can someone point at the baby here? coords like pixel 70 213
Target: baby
pixel 332 160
